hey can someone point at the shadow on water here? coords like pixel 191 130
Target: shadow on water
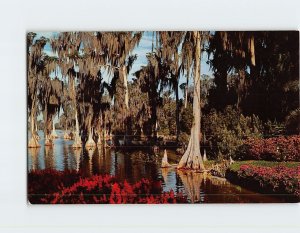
pixel 135 165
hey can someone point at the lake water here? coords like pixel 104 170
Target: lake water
pixel 133 166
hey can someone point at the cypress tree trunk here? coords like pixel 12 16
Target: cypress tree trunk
pixel 53 133
pixel 76 123
pixel 45 122
pixel 177 111
pixel 90 142
pixel 33 141
pixel 32 124
pixel 241 88
pixel 126 100
pixel 105 130
pixel 100 131
pixel 192 157
pixel 66 135
pixel 48 141
pixel 186 89
pixel 125 84
pixel 77 139
pixel 252 50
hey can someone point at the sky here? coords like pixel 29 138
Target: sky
pixel 144 47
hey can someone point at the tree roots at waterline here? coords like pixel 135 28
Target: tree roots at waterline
pixel 48 141
pixel 192 159
pixel 53 134
pixel 90 142
pixel 99 142
pixel 77 141
pixel 67 136
pixel 33 142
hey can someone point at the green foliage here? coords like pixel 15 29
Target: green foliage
pixel 292 122
pixel 139 112
pixel 183 138
pixel 225 131
pixel 273 129
pixel 166 115
pixel 186 120
pixel 208 164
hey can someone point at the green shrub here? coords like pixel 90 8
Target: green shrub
pixel 186 119
pixel 225 131
pixel 183 138
pixel 273 129
pixel 292 122
pixel 166 116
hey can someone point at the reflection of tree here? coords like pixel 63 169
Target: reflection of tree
pixel 120 165
pixel 34 153
pixel 77 153
pixel 102 157
pixel 170 180
pixel 164 174
pixel 191 182
pixel 109 160
pixel 49 157
pixel 91 151
pixel 112 164
pixel 67 162
pixel 99 152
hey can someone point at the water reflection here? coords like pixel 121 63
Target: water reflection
pixel 192 183
pixel 170 180
pixel 50 160
pixel 76 156
pixel 133 166
pixel 164 174
pixel 33 152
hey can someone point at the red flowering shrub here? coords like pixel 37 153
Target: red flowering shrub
pixel 99 189
pixel 273 149
pixel 277 179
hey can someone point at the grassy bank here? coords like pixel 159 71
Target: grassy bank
pixel 262 163
pixel 274 178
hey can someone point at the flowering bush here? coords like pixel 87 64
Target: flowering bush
pixel 276 149
pixel 278 178
pixel 100 189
